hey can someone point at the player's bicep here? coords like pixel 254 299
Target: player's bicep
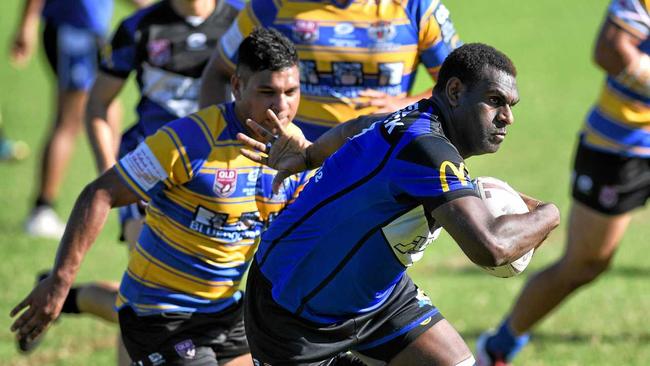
pixel 615 48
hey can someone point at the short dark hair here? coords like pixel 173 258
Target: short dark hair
pixel 469 61
pixel 266 49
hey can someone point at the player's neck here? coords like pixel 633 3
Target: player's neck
pixel 194 8
pixel 447 121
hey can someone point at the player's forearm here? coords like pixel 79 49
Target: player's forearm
pixel 515 235
pixel 214 85
pixel 87 219
pixel 333 139
pixel 31 13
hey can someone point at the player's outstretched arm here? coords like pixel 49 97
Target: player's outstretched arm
pixel 88 216
pixel 618 54
pixel 103 136
pixel 490 241
pixel 288 152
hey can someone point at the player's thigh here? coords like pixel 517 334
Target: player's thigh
pixel 439 345
pixel 593 236
pixel 606 188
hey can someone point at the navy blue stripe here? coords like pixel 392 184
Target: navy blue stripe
pixel 178 148
pixel 621 134
pixel 345 260
pixel 327 201
pixel 404 330
pixel 620 88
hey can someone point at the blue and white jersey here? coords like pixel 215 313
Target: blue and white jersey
pixel 94 15
pixel 364 217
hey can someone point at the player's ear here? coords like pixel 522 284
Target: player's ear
pixel 453 90
pixel 236 83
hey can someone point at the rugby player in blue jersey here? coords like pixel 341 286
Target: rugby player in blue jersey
pixel 611 178
pixel 72 36
pixel 330 272
pixel 179 299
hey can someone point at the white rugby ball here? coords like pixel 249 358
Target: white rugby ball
pixel 501 199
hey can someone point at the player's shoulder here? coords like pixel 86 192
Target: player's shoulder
pixel 422 117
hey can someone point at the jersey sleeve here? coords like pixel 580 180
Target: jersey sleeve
pixel 256 13
pixel 119 56
pixel 159 162
pixel 631 15
pixel 437 36
pixel 430 170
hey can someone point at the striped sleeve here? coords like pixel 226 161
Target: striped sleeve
pixel 257 13
pixel 437 35
pixel 162 160
pixel 631 15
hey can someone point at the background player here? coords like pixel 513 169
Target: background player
pixel 179 298
pixel 611 178
pixel 72 37
pixel 167 45
pixel 332 268
pixel 355 57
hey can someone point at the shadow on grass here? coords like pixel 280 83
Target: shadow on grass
pixel 577 337
pixel 617 271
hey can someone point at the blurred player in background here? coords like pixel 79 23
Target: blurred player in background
pixel 356 57
pixel 330 273
pixel 611 177
pixel 167 45
pixel 73 33
pixel 179 299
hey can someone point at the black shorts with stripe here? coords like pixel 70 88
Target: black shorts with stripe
pixel 609 183
pixel 277 337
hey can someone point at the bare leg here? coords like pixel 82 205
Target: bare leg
pixel 592 242
pixel 71 107
pixel 439 345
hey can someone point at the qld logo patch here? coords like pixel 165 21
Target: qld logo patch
pixel 225 182
pixel 159 51
pixel 186 349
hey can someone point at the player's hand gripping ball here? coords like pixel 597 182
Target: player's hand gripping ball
pixel 501 199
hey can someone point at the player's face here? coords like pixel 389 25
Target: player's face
pixel 278 91
pixel 484 112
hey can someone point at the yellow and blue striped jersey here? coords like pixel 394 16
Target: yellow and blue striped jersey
pixel 620 121
pixel 208 205
pixel 345 49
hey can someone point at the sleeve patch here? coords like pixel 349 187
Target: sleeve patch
pixel 143 167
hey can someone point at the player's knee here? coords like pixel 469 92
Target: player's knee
pixel 588 271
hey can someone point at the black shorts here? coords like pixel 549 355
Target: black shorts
pixel 608 183
pixel 73 54
pixel 196 339
pixel 278 337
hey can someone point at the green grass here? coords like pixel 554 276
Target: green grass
pixel 549 41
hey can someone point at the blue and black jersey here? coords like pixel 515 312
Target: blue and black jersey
pixel 364 217
pixel 168 54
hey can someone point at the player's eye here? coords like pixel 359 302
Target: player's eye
pixel 496 101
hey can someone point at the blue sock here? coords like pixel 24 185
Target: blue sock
pixel 504 343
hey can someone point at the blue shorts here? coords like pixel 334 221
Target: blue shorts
pixel 73 54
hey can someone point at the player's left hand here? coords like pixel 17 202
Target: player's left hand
pixel 42 306
pixel 385 103
pixel 276 148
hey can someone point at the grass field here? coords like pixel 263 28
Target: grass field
pixel 549 41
